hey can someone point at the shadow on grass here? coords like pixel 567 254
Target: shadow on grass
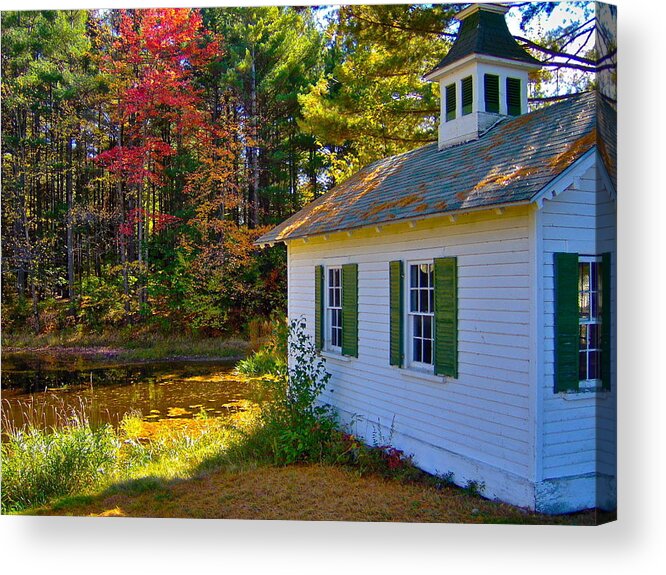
pixel 300 492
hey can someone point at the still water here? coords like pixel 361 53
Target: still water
pixel 43 388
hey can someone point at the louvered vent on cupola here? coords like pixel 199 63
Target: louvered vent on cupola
pixel 483 77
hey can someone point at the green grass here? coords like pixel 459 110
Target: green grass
pixel 38 466
pixel 262 362
pixel 128 344
pixel 212 468
pixel 71 461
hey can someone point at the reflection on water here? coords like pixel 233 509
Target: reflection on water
pixel 37 388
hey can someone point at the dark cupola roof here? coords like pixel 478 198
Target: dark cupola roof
pixel 483 30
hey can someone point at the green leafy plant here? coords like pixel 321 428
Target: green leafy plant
pixel 474 488
pixel 271 357
pixel 295 425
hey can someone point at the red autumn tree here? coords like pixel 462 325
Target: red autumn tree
pixel 158 116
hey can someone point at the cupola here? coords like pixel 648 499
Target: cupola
pixel 483 77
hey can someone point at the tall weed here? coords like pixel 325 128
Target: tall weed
pixel 38 465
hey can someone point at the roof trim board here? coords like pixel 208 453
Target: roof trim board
pixel 563 180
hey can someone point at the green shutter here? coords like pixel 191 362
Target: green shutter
pixel 466 85
pixel 513 96
pixel 567 330
pixel 606 319
pixel 350 310
pixel 319 307
pixel 450 102
pixel 491 92
pixel 396 283
pixel 446 316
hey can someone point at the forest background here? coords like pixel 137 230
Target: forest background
pixel 143 151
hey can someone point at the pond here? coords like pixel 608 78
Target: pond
pixel 41 388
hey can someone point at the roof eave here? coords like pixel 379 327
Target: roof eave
pixel 381 223
pixel 437 73
pixel 565 178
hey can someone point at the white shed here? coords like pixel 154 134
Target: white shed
pixel 463 294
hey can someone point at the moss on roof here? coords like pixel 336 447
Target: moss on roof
pixel 508 165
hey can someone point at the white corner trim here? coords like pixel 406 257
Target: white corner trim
pixel 565 179
pixel 602 173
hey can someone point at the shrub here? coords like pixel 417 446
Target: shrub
pixel 271 357
pixel 38 465
pixel 101 302
pixel 294 426
pixel 260 363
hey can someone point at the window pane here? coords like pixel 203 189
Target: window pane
pixel 417 349
pixel 413 276
pixel 583 276
pixel 427 351
pixel 424 300
pixel 583 336
pixel 594 365
pixel 423 275
pixel 337 297
pixel 427 327
pixel 432 301
pixel 418 326
pixel 582 365
pixel 413 300
pixel 594 304
pixel 594 339
pixel 584 305
pixel 593 276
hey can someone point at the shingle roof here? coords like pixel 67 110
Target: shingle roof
pixel 485 33
pixel 509 164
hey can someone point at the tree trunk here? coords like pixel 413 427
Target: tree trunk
pixel 70 233
pixel 254 150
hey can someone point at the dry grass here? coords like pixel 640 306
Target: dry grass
pixel 305 492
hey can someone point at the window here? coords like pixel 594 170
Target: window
pixel 421 311
pixel 589 320
pixel 450 102
pixel 582 321
pixel 466 89
pixel 491 92
pixel 423 299
pixel 334 309
pixel 513 97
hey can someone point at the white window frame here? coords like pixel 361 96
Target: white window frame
pixel 409 315
pixel 591 320
pixel 331 308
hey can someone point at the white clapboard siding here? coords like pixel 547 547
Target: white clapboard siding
pixel 578 432
pixel 484 415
